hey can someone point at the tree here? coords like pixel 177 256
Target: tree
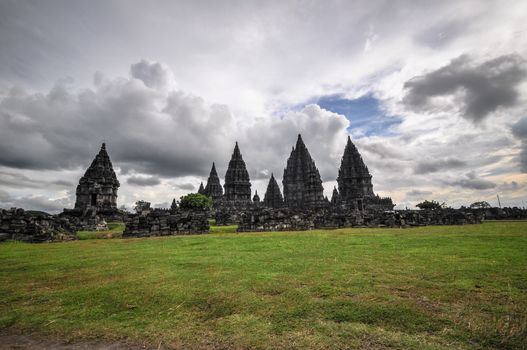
pixel 141 206
pixel 480 205
pixel 195 201
pixel 430 205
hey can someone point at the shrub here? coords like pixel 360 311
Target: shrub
pixel 431 205
pixel 195 201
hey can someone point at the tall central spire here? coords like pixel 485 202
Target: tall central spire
pixel 237 182
pixel 354 178
pixel 302 182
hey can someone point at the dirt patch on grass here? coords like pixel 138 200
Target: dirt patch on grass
pixel 35 342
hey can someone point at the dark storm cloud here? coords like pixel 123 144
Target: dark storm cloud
pixel 520 131
pixel 147 130
pixel 144 180
pixel 42 203
pixel 426 167
pixel 11 179
pixel 155 131
pixel 471 181
pixel 483 87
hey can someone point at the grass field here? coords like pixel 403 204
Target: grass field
pixel 455 287
pixel 115 230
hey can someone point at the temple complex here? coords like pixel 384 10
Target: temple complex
pixel 213 188
pixel 355 188
pixel 97 189
pixel 273 196
pixel 302 183
pixel 237 183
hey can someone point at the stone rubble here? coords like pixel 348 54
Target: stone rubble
pixel 161 222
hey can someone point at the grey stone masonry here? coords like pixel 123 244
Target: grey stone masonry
pixel 237 182
pixel 161 222
pixel 302 182
pixel 98 187
pixel 287 219
pixel 273 196
pixel 201 189
pixel 355 187
pixel 213 188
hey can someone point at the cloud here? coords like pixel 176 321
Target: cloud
pixel 16 180
pixel 480 88
pixel 153 74
pixel 426 167
pixel 186 186
pixel 267 142
pixel 471 181
pixel 42 203
pixel 143 180
pixel 511 186
pixel 245 75
pixel 418 193
pixel 147 131
pixel 519 129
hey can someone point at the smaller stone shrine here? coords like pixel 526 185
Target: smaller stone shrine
pixel 355 189
pixel 98 187
pixel 213 188
pixel 273 197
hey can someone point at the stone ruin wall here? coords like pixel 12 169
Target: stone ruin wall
pixel 162 222
pixel 20 225
pixel 265 219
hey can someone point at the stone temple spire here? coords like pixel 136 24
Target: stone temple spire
pixel 98 187
pixel 213 188
pixel 273 196
pixel 354 179
pixel 201 189
pixel 237 183
pixel 302 183
pixel 256 197
pixel 173 206
pixel 335 197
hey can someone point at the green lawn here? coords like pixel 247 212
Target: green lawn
pixel 455 287
pixel 115 230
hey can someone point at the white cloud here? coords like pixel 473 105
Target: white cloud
pixel 244 71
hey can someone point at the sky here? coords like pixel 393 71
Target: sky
pixel 433 94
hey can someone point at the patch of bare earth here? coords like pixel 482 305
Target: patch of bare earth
pixel 34 342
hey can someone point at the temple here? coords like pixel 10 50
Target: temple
pixel 256 198
pixel 213 188
pixel 201 189
pixel 97 189
pixel 237 183
pixel 302 183
pixel 335 197
pixel 355 188
pixel 273 196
